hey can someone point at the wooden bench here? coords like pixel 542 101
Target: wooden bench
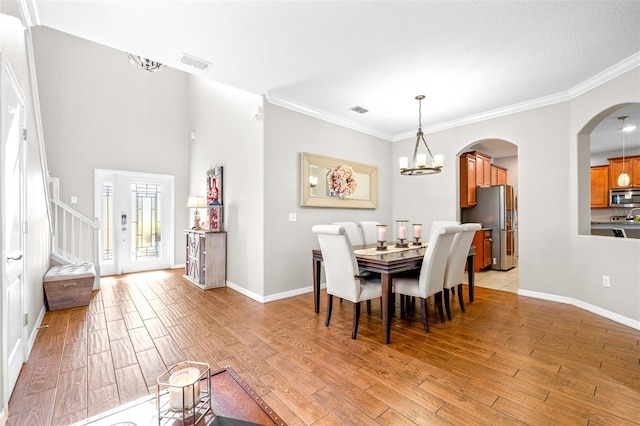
pixel 68 286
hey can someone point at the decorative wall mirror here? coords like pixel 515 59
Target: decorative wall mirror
pixel 331 182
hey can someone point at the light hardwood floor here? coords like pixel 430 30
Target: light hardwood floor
pixel 508 360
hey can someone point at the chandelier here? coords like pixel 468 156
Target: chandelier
pixel 144 63
pixel 623 179
pixel 419 166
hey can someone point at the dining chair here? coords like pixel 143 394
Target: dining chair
pixel 454 274
pixel 437 223
pixel 430 281
pixel 353 231
pixel 341 272
pixel 369 231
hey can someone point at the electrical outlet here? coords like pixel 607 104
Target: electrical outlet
pixel 293 217
pixel 606 282
pixel 495 261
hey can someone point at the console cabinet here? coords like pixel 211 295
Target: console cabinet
pixel 206 258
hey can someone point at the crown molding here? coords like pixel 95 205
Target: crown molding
pixel 597 80
pixel 304 109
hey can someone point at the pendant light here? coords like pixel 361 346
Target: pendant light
pixel 419 164
pixel 623 179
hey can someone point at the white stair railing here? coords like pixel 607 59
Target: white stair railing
pixel 75 237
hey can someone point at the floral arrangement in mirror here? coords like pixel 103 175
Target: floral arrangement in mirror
pixel 342 181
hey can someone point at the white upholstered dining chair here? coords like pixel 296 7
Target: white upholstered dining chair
pixel 437 223
pixel 353 231
pixel 369 231
pixel 341 272
pixel 454 273
pixel 430 281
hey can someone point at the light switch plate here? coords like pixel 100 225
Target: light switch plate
pixel 74 199
pixel 292 217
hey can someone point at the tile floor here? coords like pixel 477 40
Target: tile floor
pixel 498 280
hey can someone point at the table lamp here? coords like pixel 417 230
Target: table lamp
pixel 196 202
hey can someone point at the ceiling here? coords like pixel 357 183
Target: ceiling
pixel 470 58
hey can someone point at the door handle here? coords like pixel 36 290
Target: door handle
pixel 14 257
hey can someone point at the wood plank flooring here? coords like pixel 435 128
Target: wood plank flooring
pixel 508 360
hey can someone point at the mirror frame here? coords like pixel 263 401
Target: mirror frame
pixel 307 159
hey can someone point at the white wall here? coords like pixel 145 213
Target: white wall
pixel 101 112
pixel 225 136
pixel 288 245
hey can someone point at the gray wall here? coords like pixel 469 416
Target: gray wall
pixel 226 136
pixel 556 262
pixel 101 112
pixel 288 245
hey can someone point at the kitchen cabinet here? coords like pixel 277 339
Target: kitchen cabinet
pixel 206 258
pixel 498 175
pixel 467 180
pixel 483 169
pixel 631 166
pixel 482 242
pixel 599 187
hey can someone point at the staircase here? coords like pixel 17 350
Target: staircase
pixel 74 237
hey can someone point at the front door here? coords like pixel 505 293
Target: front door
pixel 135 211
pixel 12 190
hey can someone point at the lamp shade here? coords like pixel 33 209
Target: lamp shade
pixel 195 202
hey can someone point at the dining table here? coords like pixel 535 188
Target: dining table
pixel 387 263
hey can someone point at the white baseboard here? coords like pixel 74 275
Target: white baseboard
pixel 582 305
pixel 34 333
pixel 272 297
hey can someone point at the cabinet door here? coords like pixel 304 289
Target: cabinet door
pixel 494 175
pixel 487 171
pixel 615 168
pixel 599 186
pixel 478 242
pixel 502 176
pixel 635 176
pixel 467 180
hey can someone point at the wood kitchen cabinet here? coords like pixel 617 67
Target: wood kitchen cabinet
pixel 483 169
pixel 600 187
pixel 482 241
pixel 632 167
pixel 467 180
pixel 498 175
pixel 206 258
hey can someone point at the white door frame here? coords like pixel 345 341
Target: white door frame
pixel 117 267
pixel 8 263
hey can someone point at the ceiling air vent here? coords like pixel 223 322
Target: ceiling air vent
pixel 191 60
pixel 359 109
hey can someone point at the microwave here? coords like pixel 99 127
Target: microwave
pixel 624 197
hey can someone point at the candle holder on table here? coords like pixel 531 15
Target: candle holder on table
pixel 417 234
pixel 382 237
pixel 401 233
pixel 183 393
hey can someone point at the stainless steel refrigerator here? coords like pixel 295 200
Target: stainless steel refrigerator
pixel 496 209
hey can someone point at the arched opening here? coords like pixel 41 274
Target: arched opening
pixel 488 194
pixel 603 203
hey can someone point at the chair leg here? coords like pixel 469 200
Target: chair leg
pixel 425 314
pixel 329 308
pixel 438 297
pixel 460 298
pixel 447 304
pixel 369 307
pixel 356 319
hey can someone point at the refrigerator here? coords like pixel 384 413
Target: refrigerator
pixel 496 209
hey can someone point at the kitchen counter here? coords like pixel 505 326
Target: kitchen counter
pixel 632 229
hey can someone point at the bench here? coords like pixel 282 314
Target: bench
pixel 69 286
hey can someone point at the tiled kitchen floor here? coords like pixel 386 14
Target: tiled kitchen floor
pixel 498 280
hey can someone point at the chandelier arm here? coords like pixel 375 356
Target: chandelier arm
pixel 425 144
